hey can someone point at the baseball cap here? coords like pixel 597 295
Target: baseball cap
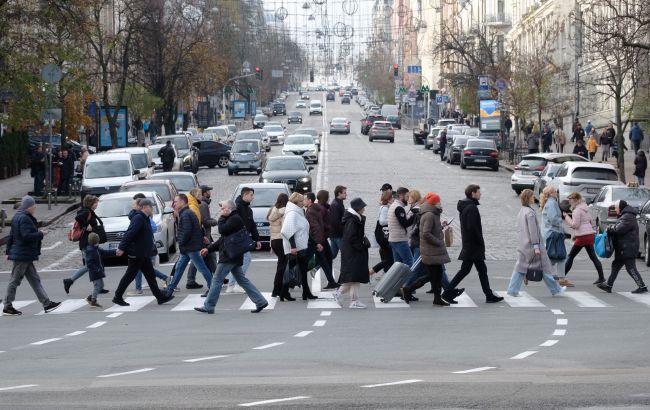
pixel 386 187
pixel 205 188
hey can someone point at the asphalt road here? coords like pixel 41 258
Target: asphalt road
pixel 585 350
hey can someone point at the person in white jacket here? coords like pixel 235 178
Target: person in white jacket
pixel 295 238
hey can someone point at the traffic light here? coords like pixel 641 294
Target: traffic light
pixel 311 76
pixel 259 73
pixel 396 70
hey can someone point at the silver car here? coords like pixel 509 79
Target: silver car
pixel 531 166
pixel 544 178
pixel 602 208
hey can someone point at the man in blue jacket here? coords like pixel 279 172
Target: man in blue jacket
pixel 137 243
pixel 23 248
pixel 189 237
pixel 636 136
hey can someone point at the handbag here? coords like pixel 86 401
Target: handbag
pixel 381 234
pixel 77 231
pixel 534 274
pixel 555 246
pixel 604 245
pixel 449 236
pixel 237 244
pixel 584 240
pixel 291 277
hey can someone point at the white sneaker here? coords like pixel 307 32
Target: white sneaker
pixel 238 289
pixel 230 288
pixel 135 292
pixel 338 297
pixel 514 295
pixel 561 292
pixel 357 305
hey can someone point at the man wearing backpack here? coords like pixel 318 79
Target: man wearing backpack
pixel 167 156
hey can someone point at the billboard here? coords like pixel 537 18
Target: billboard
pixel 122 121
pixel 239 109
pixel 490 115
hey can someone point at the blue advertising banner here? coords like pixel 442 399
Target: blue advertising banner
pixel 239 109
pixel 490 115
pixel 122 122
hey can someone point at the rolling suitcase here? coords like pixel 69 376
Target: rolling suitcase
pixel 389 285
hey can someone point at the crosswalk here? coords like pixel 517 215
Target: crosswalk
pixel 184 303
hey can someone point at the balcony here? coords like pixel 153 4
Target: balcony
pixel 498 20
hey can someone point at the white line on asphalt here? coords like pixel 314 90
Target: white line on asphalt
pixel 393 383
pixel 49 248
pixel 200 359
pixel 22 386
pixel 46 341
pixel 146 369
pixel 549 343
pixel 114 315
pixel 67 306
pixel 584 299
pixel 3 351
pixel 257 403
pixel 96 325
pixel 478 369
pixel 326 313
pixel 557 312
pixel 524 355
pixel 268 346
pixel 77 333
pixel 562 322
pixel 65 258
pixel 559 332
pixel 319 323
pixel 303 333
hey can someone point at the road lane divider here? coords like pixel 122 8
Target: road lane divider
pixel 475 370
pixel 524 355
pixel 202 359
pixel 146 369
pixel 22 386
pixel 397 383
pixel 46 341
pixel 268 346
pixel 303 333
pixel 272 401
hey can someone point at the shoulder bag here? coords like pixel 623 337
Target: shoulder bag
pixel 291 277
pixel 238 243
pixel 77 231
pixel 555 246
pixel 533 274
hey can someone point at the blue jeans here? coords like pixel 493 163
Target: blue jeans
pixel 217 282
pixel 138 276
pixel 518 278
pixel 335 244
pixel 82 270
pixel 640 181
pixel 244 269
pixel 181 264
pixel 402 252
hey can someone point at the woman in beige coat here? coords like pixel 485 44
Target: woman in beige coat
pixel 531 252
pixel 275 217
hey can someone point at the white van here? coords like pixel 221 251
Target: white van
pixel 315 107
pixel 106 172
pixel 142 160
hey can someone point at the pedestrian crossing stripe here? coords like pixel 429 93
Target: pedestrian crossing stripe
pixel 19 304
pixel 326 301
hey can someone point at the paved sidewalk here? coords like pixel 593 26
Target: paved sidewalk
pixel 17 187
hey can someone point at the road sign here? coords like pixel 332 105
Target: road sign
pixel 439 99
pixel 501 84
pixel 483 82
pixel 414 69
pixel 51 73
pixel 51 114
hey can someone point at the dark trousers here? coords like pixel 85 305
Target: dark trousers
pixel 39 182
pixel 323 259
pixel 575 250
pixel 278 250
pixel 64 185
pixel 630 267
pixel 303 261
pixel 134 265
pixel 442 153
pixel 167 167
pixel 386 255
pixel 433 275
pixel 533 150
pixel 466 268
pixel 637 146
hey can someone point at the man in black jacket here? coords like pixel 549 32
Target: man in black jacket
pixel 137 243
pixel 67 171
pixel 38 170
pixel 189 237
pixel 625 234
pixel 167 156
pixel 473 250
pixel 229 223
pixel 243 204
pixel 337 210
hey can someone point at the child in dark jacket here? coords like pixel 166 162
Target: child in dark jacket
pixel 95 267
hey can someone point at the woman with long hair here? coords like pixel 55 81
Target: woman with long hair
pixel 381 234
pixel 580 220
pixel 295 238
pixel 275 216
pixel 552 224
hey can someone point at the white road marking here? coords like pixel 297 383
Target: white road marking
pixel 326 313
pixel 18 304
pixel 268 346
pixel 557 312
pixel 322 304
pixel 464 301
pixel 559 332
pixel 49 248
pixel 96 325
pixel 549 343
pixel 46 341
pixel 189 303
pixel 478 369
pixel 392 383
pixel 316 282
pixel 523 300
pixel 257 403
pixel 77 333
pixel 319 323
pixel 22 386
pixel 585 299
pixel 67 306
pixel 146 369
pixel 136 302
pixel 114 315
pixel 248 303
pixel 562 322
pixel 303 333
pixel 524 355
pixel 72 254
pixel 394 303
pixel 201 359
pixel 643 298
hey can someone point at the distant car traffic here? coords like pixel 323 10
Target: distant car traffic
pixel 259 121
pixel 301 104
pixel 213 153
pixel 275 132
pixel 155 148
pixel 290 170
pixel 142 160
pixel 480 153
pixel 188 154
pixel 395 121
pixel 345 100
pixel 183 181
pixel 246 155
pixel 339 124
pixel 311 131
pixel 294 117
pixel 531 166
pixel 381 130
pixel 302 145
pixel 455 148
pixel 163 187
pixel 586 178
pixel 255 135
pixel 367 122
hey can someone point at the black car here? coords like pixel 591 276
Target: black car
pixel 279 108
pixel 454 149
pixel 330 97
pixel 213 153
pixel 395 121
pixel 480 153
pixel 260 120
pixel 345 100
pixel 290 170
pixel 294 116
pixel 367 122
